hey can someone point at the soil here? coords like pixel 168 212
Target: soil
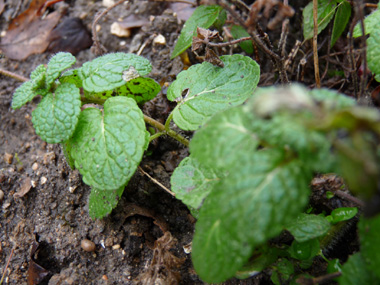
pixel 54 210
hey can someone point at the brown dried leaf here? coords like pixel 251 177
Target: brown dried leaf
pixel 36 273
pixel 70 35
pixel 183 10
pixel 24 189
pixel 213 58
pixel 29 32
pixel 2 5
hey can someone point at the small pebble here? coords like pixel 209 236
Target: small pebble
pixel 159 40
pixel 1 196
pixel 8 158
pixel 87 245
pixel 43 180
pixel 35 166
pixel 116 246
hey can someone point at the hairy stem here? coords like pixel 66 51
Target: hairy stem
pixel 13 75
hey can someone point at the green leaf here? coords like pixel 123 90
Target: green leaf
pixel 71 76
pixel 141 89
pixel 373 52
pixel 307 227
pixel 108 148
pixel 204 17
pixel 66 149
pixel 239 32
pixel 210 89
pixel 304 250
pixel 57 64
pixel 355 272
pixel 342 214
pixel 330 100
pixel 264 192
pixel 102 202
pixel 370 23
pixel 282 120
pixel 192 182
pixel 369 232
pixel 112 70
pixel 38 77
pixel 342 17
pixel 225 138
pixel 56 117
pixel 23 95
pixel 326 10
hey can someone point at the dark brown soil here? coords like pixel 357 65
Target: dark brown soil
pixel 55 210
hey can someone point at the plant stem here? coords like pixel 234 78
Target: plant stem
pixel 155 136
pixel 315 44
pixel 168 120
pixel 162 128
pixel 13 75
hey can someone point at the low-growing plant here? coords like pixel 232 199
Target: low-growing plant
pixel 252 157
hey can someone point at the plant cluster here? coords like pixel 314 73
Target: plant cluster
pixel 250 165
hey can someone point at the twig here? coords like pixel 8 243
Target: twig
pixel 155 181
pixel 315 44
pixel 352 58
pixel 97 47
pixel 6 266
pixel 179 1
pixel 363 79
pixel 348 197
pixel 13 75
pixel 318 280
pixel 230 42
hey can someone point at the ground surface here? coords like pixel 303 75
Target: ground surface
pixel 54 212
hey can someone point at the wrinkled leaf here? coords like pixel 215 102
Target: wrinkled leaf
pixel 342 17
pixel 225 138
pixel 38 77
pixel 107 72
pixel 204 17
pixel 373 51
pixel 239 32
pixel 102 202
pixel 355 272
pixel 370 23
pixel 251 205
pixel 326 9
pixel 57 64
pixel 141 89
pixel 23 95
pixel 369 232
pixel 192 182
pixel 56 117
pixel 307 227
pixel 205 89
pixel 108 148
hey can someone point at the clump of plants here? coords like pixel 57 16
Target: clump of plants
pixel 252 157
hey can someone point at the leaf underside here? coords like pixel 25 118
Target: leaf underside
pixel 210 89
pixel 102 202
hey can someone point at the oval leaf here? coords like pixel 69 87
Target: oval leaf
pixel 23 95
pixel 106 72
pixel 370 23
pixel 204 17
pixel 226 138
pixel 251 205
pixel 326 9
pixel 56 117
pixel 56 65
pixel 108 148
pixel 307 227
pixel 204 89
pixel 373 51
pixel 342 17
pixel 192 182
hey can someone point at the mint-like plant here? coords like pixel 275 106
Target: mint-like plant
pixel 106 143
